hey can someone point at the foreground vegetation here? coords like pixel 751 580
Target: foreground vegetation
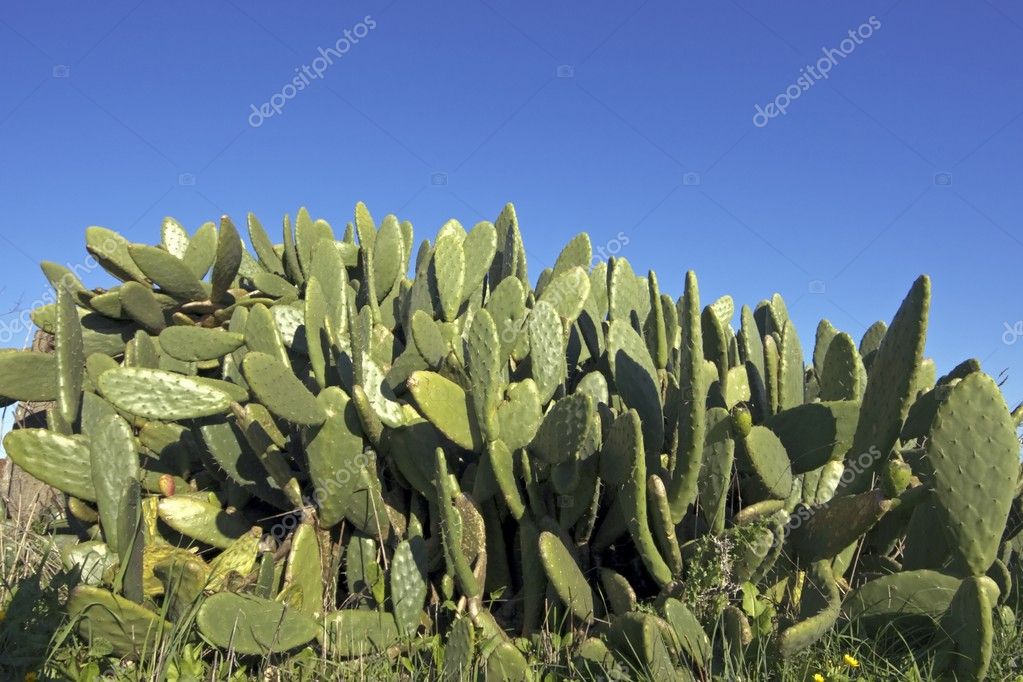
pixel 311 465
pixel 37 639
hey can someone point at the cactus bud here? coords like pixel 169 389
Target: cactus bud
pixel 896 477
pixel 742 420
pixel 81 510
pixel 167 485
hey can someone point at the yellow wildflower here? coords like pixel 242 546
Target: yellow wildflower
pixel 850 661
pixel 817 677
pixel 3 614
pixel 31 677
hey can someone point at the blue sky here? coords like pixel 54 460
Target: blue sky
pixel 634 123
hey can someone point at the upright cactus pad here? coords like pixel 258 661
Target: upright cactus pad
pixel 889 390
pixel 975 456
pixel 566 577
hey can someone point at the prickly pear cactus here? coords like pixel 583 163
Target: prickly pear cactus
pixel 361 444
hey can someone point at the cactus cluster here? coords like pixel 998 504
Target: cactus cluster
pixel 306 446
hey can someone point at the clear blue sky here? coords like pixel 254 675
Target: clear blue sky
pixel 905 159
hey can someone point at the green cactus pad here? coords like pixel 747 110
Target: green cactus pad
pixel 334 450
pixel 362 572
pixel 842 375
pixel 227 450
pixel 632 494
pixel 388 256
pixel 70 353
pixel 639 638
pixel 447 275
pixel 196 344
pixel 790 368
pixel 567 292
pixel 826 333
pixel 519 415
pixel 447 407
pixel 483 364
pixel 618 593
pixel 111 251
pixel 140 304
pixel 690 634
pixel 661 525
pixel 577 253
pixel 409 585
pixel 129 629
pixel 502 463
pixel 889 390
pixel 305 569
pixel 228 259
pixel 967 633
pixel 281 391
pixel 692 417
pixel 762 455
pixel 263 247
pixel 202 520
pixel 975 456
pixel 715 477
pixel 172 275
pixel 547 349
pixel 28 375
pixel 914 595
pixel 454 533
pixel 263 336
pixel 507 306
pixel 158 394
pixel 480 246
pixel 351 633
pixel 815 433
pixel 819 608
pixel 60 461
pixel 563 432
pixel 507 664
pixel 823 531
pixel 566 577
pixel 238 560
pixel 114 463
pixel 173 237
pixel 427 338
pixel 201 250
pixel 635 379
pixel 253 626
pixel 460 650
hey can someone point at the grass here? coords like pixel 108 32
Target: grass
pixel 38 643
